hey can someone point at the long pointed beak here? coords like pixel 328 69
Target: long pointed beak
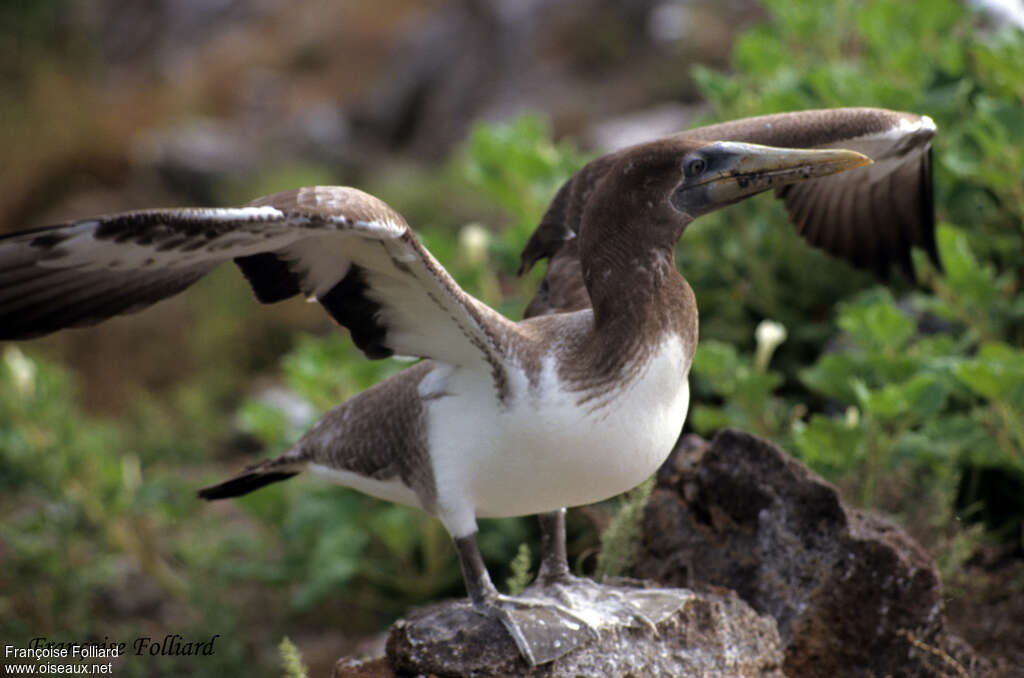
pixel 738 170
pixel 751 168
pixel 756 164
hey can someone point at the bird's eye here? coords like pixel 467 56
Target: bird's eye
pixel 694 166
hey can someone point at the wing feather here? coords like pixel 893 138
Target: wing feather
pixel 337 245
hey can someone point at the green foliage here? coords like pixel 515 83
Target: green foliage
pixel 291 660
pixel 521 574
pixel 43 442
pixel 621 538
pixel 519 168
pixel 888 397
pixel 745 393
pixel 328 370
pixel 908 400
pixel 79 500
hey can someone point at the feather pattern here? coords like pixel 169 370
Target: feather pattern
pixel 337 245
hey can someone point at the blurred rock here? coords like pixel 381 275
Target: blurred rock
pixel 852 594
pixel 988 607
pixel 486 61
pixel 347 667
pixel 712 634
pixel 640 126
pixel 1003 12
pixel 192 156
pixel 162 33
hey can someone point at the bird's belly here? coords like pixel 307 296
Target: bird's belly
pixel 548 449
pixel 603 454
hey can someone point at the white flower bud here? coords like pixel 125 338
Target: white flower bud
pixel 769 336
pixel 22 369
pixel 852 418
pixel 473 242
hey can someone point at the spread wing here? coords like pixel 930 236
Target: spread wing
pixel 344 248
pixel 871 216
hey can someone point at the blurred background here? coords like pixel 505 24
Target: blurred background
pixel 466 116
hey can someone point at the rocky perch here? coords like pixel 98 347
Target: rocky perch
pixel 641 632
pixel 786 581
pixel 852 593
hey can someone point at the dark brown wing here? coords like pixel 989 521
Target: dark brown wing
pixel 871 216
pixel 80 273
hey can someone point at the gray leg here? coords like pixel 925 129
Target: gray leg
pixel 554 564
pixel 555 580
pixel 478 582
pixel 542 630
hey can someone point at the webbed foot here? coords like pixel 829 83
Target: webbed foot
pixel 644 607
pixel 543 630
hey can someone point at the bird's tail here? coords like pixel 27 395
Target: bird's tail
pixel 253 478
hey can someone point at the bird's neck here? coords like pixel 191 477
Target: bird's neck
pixel 628 266
pixel 639 300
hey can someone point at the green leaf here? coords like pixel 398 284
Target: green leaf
pixel 706 420
pixel 335 559
pixel 829 444
pixel 291 660
pixel 719 365
pixel 833 376
pixel 876 324
pixel 265 422
pixel 997 373
pixel 918 398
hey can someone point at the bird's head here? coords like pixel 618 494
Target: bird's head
pixel 720 173
pixel 668 183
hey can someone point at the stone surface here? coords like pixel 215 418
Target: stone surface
pixel 852 594
pixel 708 634
pixel 347 667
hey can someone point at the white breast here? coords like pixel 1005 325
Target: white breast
pixel 546 450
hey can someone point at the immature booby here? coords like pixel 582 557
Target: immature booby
pixel 577 404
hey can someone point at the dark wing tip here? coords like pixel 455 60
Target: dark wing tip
pixel 349 302
pixel 83 272
pixel 551 233
pixel 243 484
pixel 927 211
pixel 545 242
pixel 48 300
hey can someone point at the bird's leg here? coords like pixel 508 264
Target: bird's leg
pixel 554 564
pixel 474 572
pixel 555 579
pixel 542 630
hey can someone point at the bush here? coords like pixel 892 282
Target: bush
pixel 926 384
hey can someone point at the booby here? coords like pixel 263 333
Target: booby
pixel 576 403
